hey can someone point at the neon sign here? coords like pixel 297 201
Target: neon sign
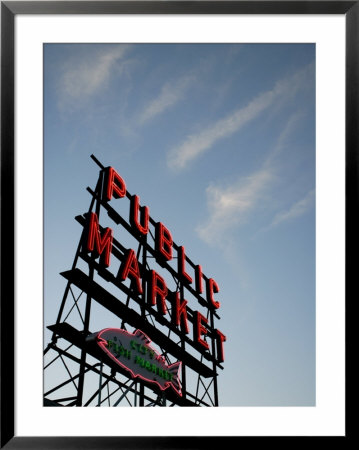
pixel 133 352
pixel 99 243
pixel 150 284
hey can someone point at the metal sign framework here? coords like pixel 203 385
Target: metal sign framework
pixel 76 373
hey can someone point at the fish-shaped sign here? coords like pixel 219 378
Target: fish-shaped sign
pixel 133 352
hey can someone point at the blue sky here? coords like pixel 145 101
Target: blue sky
pixel 219 142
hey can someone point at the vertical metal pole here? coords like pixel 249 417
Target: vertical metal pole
pixel 215 383
pixel 100 386
pixel 143 310
pixel 183 347
pixel 83 352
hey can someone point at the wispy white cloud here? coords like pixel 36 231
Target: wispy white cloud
pixel 195 145
pixel 231 205
pixel 86 77
pixel 297 209
pixel 174 91
pixel 283 139
pixel 170 94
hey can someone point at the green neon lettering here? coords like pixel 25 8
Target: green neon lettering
pixel 143 349
pixel 140 361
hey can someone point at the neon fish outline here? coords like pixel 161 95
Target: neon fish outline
pixel 172 379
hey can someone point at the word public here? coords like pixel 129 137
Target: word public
pixel 100 242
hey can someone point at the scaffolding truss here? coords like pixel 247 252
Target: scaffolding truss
pixel 77 373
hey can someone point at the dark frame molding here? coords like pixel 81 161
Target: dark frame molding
pixel 8 11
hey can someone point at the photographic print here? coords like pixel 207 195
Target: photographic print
pixel 179 224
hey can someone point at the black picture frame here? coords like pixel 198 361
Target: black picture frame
pixel 9 9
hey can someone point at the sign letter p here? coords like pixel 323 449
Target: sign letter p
pixel 115 185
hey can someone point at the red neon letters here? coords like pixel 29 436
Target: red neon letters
pixel 115 185
pixel 100 243
pixel 199 329
pixel 97 243
pixel 220 339
pixel 182 265
pixel 134 213
pixel 199 284
pixel 180 313
pixel 212 287
pixel 158 292
pixel 129 268
pixel 164 241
